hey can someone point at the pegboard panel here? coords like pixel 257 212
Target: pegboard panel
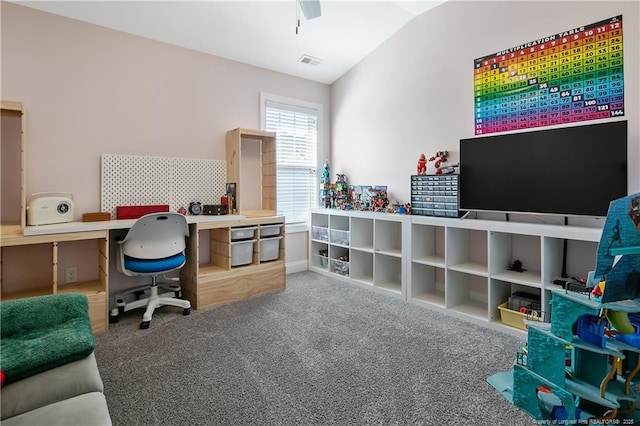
pixel 141 180
pixel 198 180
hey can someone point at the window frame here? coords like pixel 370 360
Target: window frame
pixel 320 151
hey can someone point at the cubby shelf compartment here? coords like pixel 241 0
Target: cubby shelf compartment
pixel 319 260
pixel 13 169
pixel 362 234
pixel 388 237
pixel 361 266
pixel 467 294
pixel 388 273
pixel 461 265
pixel 427 284
pixel 500 291
pixel 427 245
pixel 339 260
pixel 467 251
pixel 339 230
pixel 508 248
pixel 260 149
pixel 35 266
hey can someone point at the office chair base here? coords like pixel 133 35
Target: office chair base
pixel 153 301
pixel 145 324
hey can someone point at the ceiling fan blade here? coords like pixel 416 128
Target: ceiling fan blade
pixel 310 8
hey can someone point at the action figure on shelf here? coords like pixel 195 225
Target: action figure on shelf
pixel 422 165
pixel 342 192
pixel 341 184
pixel 440 159
pixel 326 173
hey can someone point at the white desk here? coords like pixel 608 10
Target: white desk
pixel 207 279
pixel 107 225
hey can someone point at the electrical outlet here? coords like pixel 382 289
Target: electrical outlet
pixel 71 275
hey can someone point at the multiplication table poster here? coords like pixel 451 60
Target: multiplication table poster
pixel 576 75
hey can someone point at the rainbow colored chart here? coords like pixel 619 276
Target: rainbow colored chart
pixel 576 75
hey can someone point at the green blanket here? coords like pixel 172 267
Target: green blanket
pixel 44 332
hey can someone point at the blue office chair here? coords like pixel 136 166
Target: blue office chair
pixel 154 246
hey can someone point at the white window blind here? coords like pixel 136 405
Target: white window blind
pixel 297 141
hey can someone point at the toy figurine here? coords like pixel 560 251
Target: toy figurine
pixel 326 173
pixel 440 159
pixel 341 193
pixel 422 165
pixel 341 184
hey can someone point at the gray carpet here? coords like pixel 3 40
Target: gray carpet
pixel 322 352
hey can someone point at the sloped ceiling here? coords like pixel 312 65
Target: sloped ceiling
pixel 260 33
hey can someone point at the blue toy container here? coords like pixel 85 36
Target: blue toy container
pixel 591 331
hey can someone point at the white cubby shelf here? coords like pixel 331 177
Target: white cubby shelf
pixel 460 265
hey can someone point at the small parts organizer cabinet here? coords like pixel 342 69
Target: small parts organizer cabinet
pixel 40 262
pixel 233 260
pixel 462 265
pixel 435 195
pixel 365 247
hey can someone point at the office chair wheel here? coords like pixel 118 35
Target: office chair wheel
pixel 139 294
pixel 144 325
pixel 177 294
pixel 186 311
pixel 114 315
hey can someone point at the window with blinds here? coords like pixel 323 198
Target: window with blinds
pixel 296 128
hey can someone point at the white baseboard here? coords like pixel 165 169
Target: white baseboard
pixel 299 266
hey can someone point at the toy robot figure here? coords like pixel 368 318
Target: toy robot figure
pixel 439 158
pixel 422 165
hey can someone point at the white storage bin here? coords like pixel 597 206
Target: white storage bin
pixel 270 248
pixel 270 230
pixel 340 267
pixel 320 233
pixel 322 261
pixel 242 252
pixel 340 237
pixel 244 233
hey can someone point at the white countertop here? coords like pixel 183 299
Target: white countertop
pixel 61 228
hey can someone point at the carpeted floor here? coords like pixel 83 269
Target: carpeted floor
pixel 322 352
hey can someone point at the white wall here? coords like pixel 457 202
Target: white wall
pixel 414 94
pixel 89 90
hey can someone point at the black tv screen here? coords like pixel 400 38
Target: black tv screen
pixel 569 171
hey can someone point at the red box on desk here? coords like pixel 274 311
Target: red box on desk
pixel 135 212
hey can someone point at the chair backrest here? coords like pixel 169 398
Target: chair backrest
pixel 156 236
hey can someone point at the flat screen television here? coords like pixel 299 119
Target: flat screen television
pixel 568 171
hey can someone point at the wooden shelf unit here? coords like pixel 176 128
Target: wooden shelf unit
pixel 209 280
pixel 42 256
pixel 235 139
pixel 13 153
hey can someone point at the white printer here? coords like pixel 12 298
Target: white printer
pixel 46 208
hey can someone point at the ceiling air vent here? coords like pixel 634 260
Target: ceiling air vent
pixel 306 59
